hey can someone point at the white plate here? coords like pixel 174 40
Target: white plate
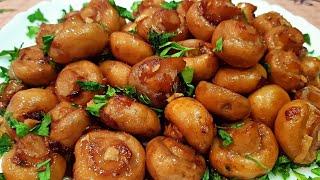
pixel 14 33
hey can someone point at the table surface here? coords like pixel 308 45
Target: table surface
pixel 309 9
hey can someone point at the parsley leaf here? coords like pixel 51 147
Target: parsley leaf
pixel 172 5
pixel 226 138
pixel 43 128
pixel 299 176
pixel 157 39
pixel 307 39
pixel 47 40
pixel 123 12
pixel 219 45
pixel 283 166
pixel 64 14
pixel 32 31
pixel 37 16
pixel 5 75
pixel 46 174
pixel 173 46
pixel 258 163
pixel 210 174
pixel 206 175
pixel 94 109
pixel 265 177
pixel 2 176
pixel 144 99
pixel 5 144
pixel 237 125
pixel 135 6
pixel 187 76
pixel 21 128
pixel 316 171
pixel 12 53
pixel 90 85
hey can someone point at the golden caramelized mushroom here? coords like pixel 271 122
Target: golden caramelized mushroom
pixel 163 21
pixel 29 105
pixel 9 90
pixel 67 88
pixel 147 4
pixel 168 159
pixel 266 103
pixel 201 59
pixel 193 121
pixel 265 22
pixel 252 153
pixel 311 67
pixel 285 69
pixel 102 12
pixel 33 68
pixel 311 94
pixel 115 73
pixel 21 161
pixel 242 81
pixel 297 130
pixel 285 38
pixel 124 114
pixel 68 123
pixel 109 155
pixel 222 102
pixel 242 46
pixel 156 78
pixel 203 16
pixel 129 48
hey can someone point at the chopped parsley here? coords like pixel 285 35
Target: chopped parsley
pixel 144 99
pixel 123 12
pixel 187 76
pixel 283 166
pixel 64 14
pixel 237 125
pixel 90 85
pixel 299 176
pixel 265 177
pixel 43 128
pixel 2 176
pixel 32 31
pixel 258 163
pixel 5 144
pixel 210 174
pixel 225 137
pixel 219 45
pixel 14 54
pixel 4 75
pixel 47 40
pixel 157 39
pixel 316 171
pixel 46 173
pixel 135 6
pixel 307 39
pixel 318 158
pixel 94 109
pixel 169 46
pixel 37 16
pixel 172 5
pixel 21 128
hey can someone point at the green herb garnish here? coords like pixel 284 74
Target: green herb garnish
pixel 283 167
pixel 225 137
pixel 258 163
pixel 94 109
pixel 37 16
pixel 90 85
pixel 187 76
pixel 172 5
pixel 169 46
pixel 157 39
pixel 43 128
pixel 64 14
pixel 299 176
pixel 5 144
pixel 316 171
pixel 135 6
pixel 47 40
pixel 219 45
pixel 32 31
pixel 21 128
pixel 123 12
pixel 307 39
pixel 144 99
pixel 46 174
pixel 237 125
pixel 4 75
pixel 14 54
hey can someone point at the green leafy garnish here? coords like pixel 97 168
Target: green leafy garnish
pixel 135 6
pixel 64 14
pixel 206 175
pixel 47 40
pixel 187 76
pixel 169 46
pixel 225 137
pixel 307 39
pixel 123 12
pixel 21 128
pixel 283 167
pixel 172 5
pixel 4 75
pixel 44 174
pixel 318 158
pixel 99 101
pixel 157 39
pixel 32 31
pixel 12 53
pixel 219 45
pixel 37 16
pixel 299 176
pixel 265 177
pixel 144 99
pixel 237 125
pixel 94 109
pixel 84 5
pixel 209 174
pixel 43 128
pixel 5 144
pixel 90 85
pixel 133 31
pixel 316 171
pixel 258 163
